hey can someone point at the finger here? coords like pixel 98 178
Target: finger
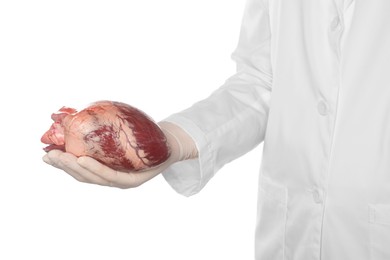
pixel 80 173
pixel 68 163
pixel 47 160
pixel 59 159
pixel 62 161
pixel 115 178
pixel 51 158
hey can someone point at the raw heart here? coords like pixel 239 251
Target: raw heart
pixel 114 133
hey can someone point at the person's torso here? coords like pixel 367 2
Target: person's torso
pixel 325 173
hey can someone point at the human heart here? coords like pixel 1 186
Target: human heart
pixel 114 133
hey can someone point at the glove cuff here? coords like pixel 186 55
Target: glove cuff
pixel 181 144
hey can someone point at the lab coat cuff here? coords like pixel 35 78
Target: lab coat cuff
pixel 190 176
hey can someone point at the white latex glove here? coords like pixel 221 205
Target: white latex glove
pixel 88 170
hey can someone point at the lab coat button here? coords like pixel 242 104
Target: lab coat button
pixel 335 24
pixel 322 108
pixel 317 196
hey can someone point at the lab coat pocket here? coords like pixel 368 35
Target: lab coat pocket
pixel 271 221
pixel 379 231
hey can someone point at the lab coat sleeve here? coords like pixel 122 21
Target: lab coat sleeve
pixel 233 119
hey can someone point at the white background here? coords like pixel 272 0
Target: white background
pixel 160 56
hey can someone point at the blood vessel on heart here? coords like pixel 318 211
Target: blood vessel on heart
pixel 114 133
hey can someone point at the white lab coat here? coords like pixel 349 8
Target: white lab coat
pixel 313 83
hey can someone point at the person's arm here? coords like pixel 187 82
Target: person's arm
pixel 233 120
pixel 212 132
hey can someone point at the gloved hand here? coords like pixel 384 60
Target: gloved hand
pixel 86 169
